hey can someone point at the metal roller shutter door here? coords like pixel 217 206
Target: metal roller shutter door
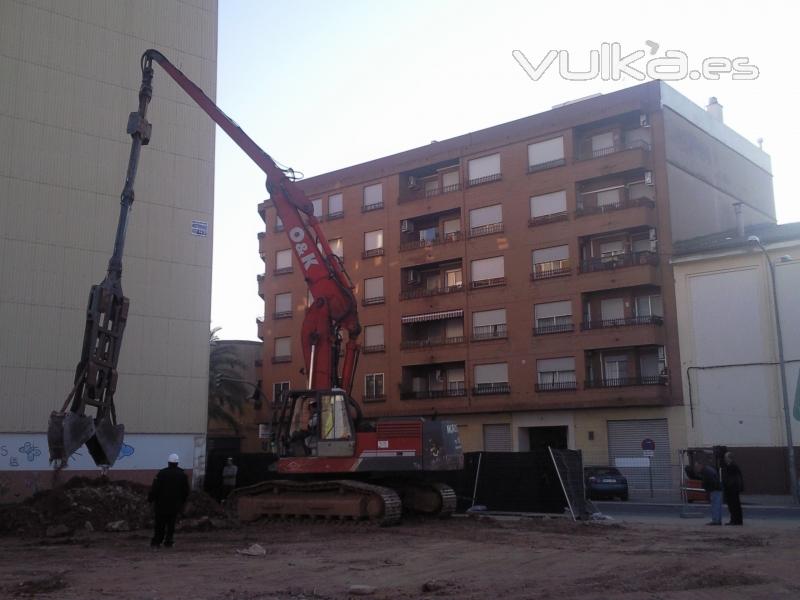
pixel 497 438
pixel 625 441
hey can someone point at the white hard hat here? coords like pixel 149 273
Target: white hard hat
pixel 173 458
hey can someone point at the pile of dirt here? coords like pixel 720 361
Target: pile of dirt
pixel 98 502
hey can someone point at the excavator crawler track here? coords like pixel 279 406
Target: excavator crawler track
pixel 333 499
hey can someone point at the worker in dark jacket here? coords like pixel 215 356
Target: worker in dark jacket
pixel 733 485
pixel 168 494
pixel 711 484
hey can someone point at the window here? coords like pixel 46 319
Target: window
pixel 373 338
pixel 642 245
pixel 278 389
pixel 547 206
pixel 373 243
pixel 488 272
pixel 652 364
pixel 608 198
pixel 615 370
pixel 373 290
pixel 551 262
pixel 553 317
pixel 639 189
pixel 488 219
pixel 428 235
pixel 455 381
pixel 491 379
pixel 451 228
pixel 602 142
pixel 608 250
pixel 450 181
pixel 612 309
pixel 488 324
pixel 283 262
pixel 484 169
pixel 453 278
pixel 283 350
pixel 554 374
pixel 373 196
pixel 543 155
pixel 283 305
pixel 432 187
pixel 317 207
pixel 373 386
pixel 649 306
pixel 335 206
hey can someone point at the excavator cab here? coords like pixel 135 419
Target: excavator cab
pixel 315 423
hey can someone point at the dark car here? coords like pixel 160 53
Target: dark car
pixel 605 482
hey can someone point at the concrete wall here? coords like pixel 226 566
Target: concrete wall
pixel 70 76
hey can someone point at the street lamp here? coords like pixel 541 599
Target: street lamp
pixel 753 239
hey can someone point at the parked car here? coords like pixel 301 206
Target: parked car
pixel 605 482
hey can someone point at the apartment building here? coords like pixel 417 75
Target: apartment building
pixel 517 278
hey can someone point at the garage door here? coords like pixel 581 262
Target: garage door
pixel 497 438
pixel 625 452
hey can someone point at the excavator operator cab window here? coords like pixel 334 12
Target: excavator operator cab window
pixel 334 418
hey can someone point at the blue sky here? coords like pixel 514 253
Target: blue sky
pixel 323 85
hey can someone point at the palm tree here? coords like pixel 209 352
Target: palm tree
pixel 226 395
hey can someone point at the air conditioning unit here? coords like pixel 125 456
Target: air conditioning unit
pixel 406 226
pixel 439 375
pixel 643 121
pixel 412 183
pixel 653 233
pixel 414 277
pixel 654 246
pixel 648 177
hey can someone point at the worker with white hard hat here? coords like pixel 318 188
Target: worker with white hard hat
pixel 168 494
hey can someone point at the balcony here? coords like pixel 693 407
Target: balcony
pixel 429 192
pixel 262 245
pixel 453 391
pixel 487 283
pixel 283 270
pixel 557 328
pixel 438 240
pixel 619 147
pixel 486 230
pixel 626 322
pixel 547 271
pixel 547 219
pixel 626 381
pixel 284 314
pixel 281 359
pixel 260 328
pixel 372 253
pixel 262 211
pixel 557 386
pixel 488 389
pixel 552 164
pixel 335 215
pixel 489 332
pixel 619 261
pixel 486 179
pixel 432 341
pixel 370 207
pixel 373 349
pixel 412 293
pixel 587 208
pixel 376 398
pixel 372 301
pixel 262 285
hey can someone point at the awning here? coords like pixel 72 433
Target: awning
pixel 434 316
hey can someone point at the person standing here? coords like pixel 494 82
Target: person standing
pixel 710 478
pixel 168 494
pixel 229 473
pixel 733 485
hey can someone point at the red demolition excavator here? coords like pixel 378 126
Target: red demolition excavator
pixel 330 461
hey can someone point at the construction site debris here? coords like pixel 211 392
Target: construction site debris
pixel 253 550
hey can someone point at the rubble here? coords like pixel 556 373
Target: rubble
pixel 98 504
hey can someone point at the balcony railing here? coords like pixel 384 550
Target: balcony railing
pixel 434 341
pixel 336 215
pixel 452 392
pixel 425 292
pixel 486 179
pixel 283 314
pixel 557 328
pixel 374 398
pixel 489 332
pixel 557 386
pixel 485 389
pixel 373 300
pixel 375 348
pixel 614 149
pixel 487 283
pixel 618 261
pixel 283 271
pixel 371 253
pixel 281 359
pixel 415 244
pixel 545 219
pixel 559 162
pixel 371 207
pixel 626 381
pixel 430 193
pixel 583 209
pixel 550 273
pixel 625 322
pixel 486 230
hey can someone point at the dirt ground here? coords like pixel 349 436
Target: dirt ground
pixel 464 558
